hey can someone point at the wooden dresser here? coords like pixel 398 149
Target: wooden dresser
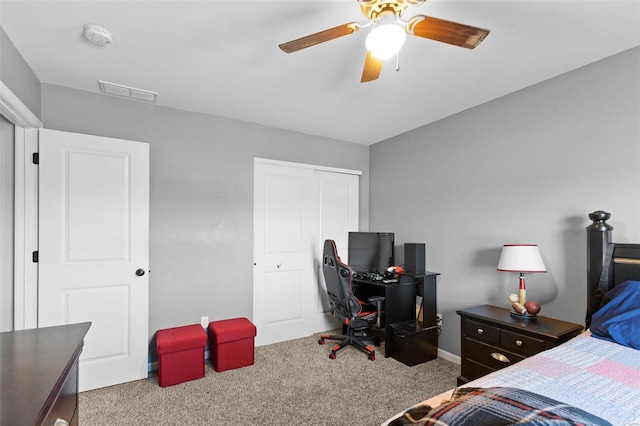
pixel 492 339
pixel 39 375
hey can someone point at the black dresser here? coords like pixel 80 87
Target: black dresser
pixel 491 339
pixel 39 375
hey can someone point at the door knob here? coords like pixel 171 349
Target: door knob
pixel 140 272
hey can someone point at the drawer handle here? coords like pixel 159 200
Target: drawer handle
pixel 61 422
pixel 518 343
pixel 499 357
pixel 480 331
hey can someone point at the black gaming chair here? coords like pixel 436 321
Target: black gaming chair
pixel 346 307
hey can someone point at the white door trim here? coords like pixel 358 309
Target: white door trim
pixel 25 282
pixel 15 110
pixel 306 166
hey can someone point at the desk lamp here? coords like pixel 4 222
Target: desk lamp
pixel 521 258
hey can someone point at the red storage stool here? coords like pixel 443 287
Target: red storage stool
pixel 231 343
pixel 180 354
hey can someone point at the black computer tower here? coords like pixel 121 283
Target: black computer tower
pixel 414 257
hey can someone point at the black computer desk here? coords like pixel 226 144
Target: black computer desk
pixel 400 300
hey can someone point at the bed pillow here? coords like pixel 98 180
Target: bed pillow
pixel 498 406
pixel 619 320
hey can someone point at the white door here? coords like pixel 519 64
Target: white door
pixel 282 253
pixel 338 199
pixel 93 250
pixel 294 207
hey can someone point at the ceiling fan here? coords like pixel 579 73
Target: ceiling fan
pixel 389 32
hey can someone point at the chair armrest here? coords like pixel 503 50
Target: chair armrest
pixel 375 299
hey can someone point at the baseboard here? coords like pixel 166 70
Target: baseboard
pixel 448 356
pixel 153 366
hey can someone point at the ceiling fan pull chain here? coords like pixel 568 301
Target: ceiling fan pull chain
pixel 398 61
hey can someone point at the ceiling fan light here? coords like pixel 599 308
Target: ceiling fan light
pixel 385 40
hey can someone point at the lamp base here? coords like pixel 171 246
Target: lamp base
pixel 523 316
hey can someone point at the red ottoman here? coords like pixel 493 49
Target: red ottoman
pixel 231 343
pixel 180 354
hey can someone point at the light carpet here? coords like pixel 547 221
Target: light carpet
pixel 291 383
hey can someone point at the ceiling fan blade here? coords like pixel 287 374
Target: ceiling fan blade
pixel 446 31
pixel 372 68
pixel 321 37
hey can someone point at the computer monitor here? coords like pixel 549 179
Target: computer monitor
pixel 371 252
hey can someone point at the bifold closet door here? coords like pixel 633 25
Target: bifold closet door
pixel 337 208
pixel 295 208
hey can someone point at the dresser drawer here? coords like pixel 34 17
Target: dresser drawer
pixel 472 370
pixel 521 343
pixel 491 356
pixel 66 404
pixel 482 331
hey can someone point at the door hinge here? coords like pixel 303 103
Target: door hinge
pixel 35 158
pixel 34 257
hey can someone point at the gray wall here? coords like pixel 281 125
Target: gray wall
pixel 16 74
pixel 201 194
pixel 525 168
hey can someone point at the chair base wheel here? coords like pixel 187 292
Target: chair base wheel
pixel 357 338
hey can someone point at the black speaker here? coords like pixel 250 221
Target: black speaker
pixel 414 257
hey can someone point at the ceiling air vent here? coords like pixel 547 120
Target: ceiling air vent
pixel 127 92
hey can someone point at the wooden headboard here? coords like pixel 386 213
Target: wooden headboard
pixel 608 263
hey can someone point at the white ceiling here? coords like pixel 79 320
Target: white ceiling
pixel 222 57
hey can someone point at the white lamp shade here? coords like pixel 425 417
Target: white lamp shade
pixel 521 258
pixel 385 40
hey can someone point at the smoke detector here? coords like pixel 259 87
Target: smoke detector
pixel 97 34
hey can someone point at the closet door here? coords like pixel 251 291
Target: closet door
pixel 295 208
pixel 283 271
pixel 337 209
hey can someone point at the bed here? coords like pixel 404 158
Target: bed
pixel 593 379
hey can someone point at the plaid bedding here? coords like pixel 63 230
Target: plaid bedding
pixel 498 406
pixel 594 375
